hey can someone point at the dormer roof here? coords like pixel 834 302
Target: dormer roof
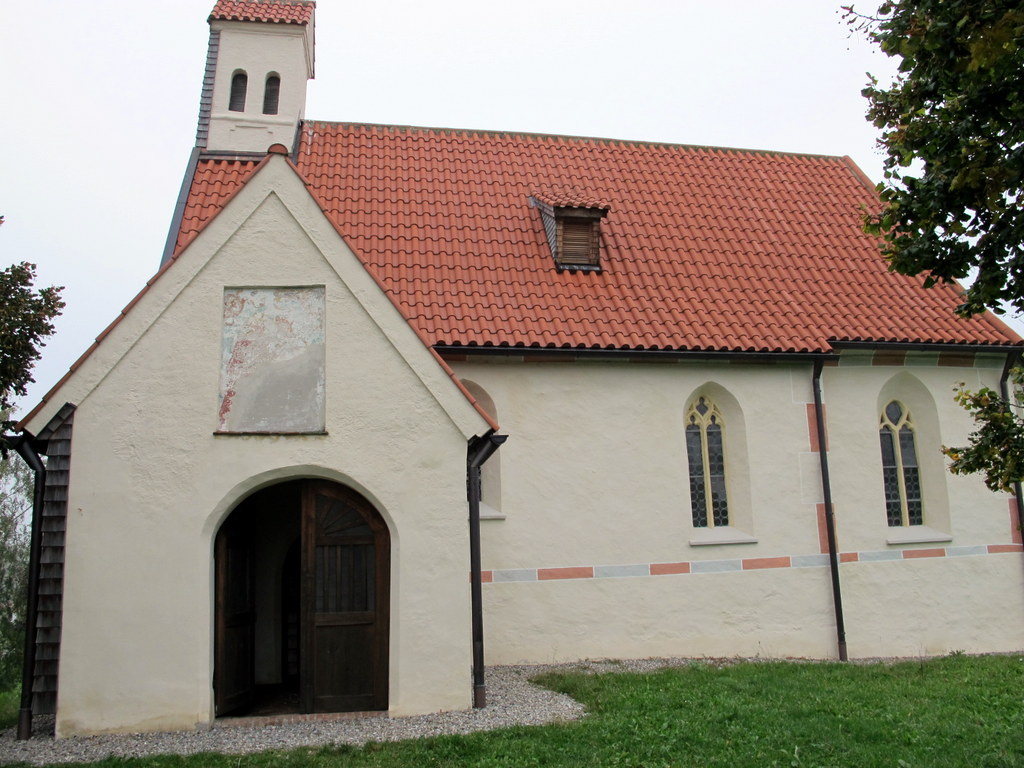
pixel 571 197
pixel 704 248
pixel 572 223
pixel 274 11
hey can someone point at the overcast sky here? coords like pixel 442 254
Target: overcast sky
pixel 101 100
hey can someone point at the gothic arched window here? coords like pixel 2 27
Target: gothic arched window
pixel 239 85
pixel 900 472
pixel 705 453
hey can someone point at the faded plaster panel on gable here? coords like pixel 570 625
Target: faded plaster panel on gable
pixel 272 360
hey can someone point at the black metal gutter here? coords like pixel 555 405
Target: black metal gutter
pixel 480 450
pixel 1012 360
pixel 921 346
pixel 638 355
pixel 24 445
pixel 830 525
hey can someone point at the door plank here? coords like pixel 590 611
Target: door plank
pixel 235 625
pixel 345 577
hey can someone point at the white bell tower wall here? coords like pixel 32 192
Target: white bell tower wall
pixel 239 105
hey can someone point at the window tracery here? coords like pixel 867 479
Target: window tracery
pixel 900 470
pixel 705 451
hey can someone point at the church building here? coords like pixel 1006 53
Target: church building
pixel 404 401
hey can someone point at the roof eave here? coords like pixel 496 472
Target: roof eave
pixel 927 346
pixel 455 351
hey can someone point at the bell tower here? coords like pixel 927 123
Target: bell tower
pixel 259 61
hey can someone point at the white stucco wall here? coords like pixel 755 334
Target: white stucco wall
pixel 151 482
pixel 954 588
pixel 597 523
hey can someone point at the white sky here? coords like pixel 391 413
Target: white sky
pixel 102 98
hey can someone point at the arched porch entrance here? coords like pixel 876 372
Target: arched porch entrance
pixel 302 602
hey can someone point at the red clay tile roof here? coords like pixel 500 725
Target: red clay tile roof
pixel 704 248
pixel 570 197
pixel 282 11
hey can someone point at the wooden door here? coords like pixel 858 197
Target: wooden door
pixel 345 596
pixel 235 625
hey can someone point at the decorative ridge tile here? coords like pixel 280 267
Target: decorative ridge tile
pixel 275 11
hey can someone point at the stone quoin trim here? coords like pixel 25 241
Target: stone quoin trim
pixel 696 567
pixel 1015 532
pixel 822 528
pixel 812 426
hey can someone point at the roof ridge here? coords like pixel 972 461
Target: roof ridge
pixel 601 139
pixel 250 10
pixel 267 2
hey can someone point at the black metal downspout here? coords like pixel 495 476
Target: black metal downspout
pixel 23 445
pixel 830 524
pixel 480 450
pixel 1012 360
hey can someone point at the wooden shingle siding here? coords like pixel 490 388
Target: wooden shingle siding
pixel 51 571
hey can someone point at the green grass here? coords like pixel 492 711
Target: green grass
pixel 954 711
pixel 10 702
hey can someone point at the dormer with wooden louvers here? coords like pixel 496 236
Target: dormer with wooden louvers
pixel 259 62
pixel 572 224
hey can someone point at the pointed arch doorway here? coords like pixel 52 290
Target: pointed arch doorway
pixel 302 602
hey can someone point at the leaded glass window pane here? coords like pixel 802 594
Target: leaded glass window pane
pixel 705 452
pixel 716 468
pixel 695 461
pixel 893 412
pixel 911 476
pixel 900 472
pixel 890 479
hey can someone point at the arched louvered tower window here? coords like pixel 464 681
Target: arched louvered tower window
pixel 239 85
pixel 271 94
pixel 900 472
pixel 705 452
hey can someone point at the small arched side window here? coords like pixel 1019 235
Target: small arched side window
pixel 900 472
pixel 239 85
pixel 271 94
pixel 705 453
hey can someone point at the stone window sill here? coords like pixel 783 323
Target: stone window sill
pixel 916 534
pixel 315 433
pixel 723 534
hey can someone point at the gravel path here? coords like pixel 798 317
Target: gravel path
pixel 512 700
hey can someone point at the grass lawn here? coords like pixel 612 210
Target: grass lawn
pixel 10 702
pixel 954 711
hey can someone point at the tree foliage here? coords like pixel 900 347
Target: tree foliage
pixel 25 321
pixel 16 483
pixel 953 132
pixel 996 447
